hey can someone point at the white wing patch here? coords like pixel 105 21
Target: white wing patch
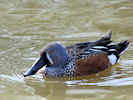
pixel 99 47
pixel 112 59
pixel 112 50
pixel 94 50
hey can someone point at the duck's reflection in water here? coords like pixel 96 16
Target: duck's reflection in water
pixel 49 89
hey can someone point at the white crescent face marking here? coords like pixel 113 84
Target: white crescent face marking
pixel 50 59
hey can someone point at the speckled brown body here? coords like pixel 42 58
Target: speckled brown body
pixel 92 64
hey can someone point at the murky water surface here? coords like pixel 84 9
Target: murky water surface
pixel 27 25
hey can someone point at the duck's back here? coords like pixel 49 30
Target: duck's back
pixel 74 49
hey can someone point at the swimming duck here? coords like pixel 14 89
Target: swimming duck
pixel 79 59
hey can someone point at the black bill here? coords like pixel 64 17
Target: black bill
pixel 36 66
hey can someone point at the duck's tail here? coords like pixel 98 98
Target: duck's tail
pixel 111 49
pixel 115 50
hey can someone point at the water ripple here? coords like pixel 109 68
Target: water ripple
pixel 115 82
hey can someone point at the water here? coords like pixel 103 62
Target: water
pixel 27 25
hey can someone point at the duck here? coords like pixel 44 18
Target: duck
pixel 79 59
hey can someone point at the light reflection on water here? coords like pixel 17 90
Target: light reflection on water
pixel 26 26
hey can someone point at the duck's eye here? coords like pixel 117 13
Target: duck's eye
pixel 50 52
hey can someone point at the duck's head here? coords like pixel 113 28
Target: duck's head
pixel 52 55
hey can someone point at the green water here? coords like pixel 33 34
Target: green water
pixel 27 25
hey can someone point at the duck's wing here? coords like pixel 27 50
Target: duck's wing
pixel 103 41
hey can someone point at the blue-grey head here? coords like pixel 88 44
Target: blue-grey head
pixel 52 55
